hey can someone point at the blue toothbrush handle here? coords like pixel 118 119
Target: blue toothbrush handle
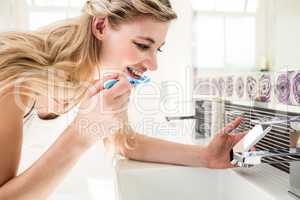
pixel 108 84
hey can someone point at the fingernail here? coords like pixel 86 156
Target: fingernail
pixel 115 75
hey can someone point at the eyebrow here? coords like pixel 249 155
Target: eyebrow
pixel 150 40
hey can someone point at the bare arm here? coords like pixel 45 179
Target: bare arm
pixel 39 181
pixel 214 155
pixel 150 149
pixel 11 119
pixel 43 176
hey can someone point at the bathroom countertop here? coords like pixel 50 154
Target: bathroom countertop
pixel 269 179
pixel 267 182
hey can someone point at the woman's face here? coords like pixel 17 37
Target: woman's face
pixel 133 44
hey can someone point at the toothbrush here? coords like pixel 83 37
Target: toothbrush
pixel 143 79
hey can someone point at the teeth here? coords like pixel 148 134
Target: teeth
pixel 136 72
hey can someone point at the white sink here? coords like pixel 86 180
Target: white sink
pixel 144 181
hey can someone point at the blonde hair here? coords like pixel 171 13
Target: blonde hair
pixel 65 55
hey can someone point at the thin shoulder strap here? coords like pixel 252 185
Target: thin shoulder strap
pixel 30 110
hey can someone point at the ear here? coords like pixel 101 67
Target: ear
pixel 99 26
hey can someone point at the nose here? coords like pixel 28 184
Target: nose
pixel 151 62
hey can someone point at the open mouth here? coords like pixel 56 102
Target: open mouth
pixel 134 73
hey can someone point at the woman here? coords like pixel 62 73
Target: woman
pixel 60 62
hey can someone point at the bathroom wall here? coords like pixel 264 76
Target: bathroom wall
pixel 277 88
pixel 272 88
pixel 287 31
pixel 13 15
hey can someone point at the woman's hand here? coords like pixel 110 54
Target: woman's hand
pixel 218 150
pixel 103 111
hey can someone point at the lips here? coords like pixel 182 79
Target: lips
pixel 134 72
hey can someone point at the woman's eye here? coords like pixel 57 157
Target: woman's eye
pixel 142 46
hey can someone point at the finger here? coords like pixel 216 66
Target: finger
pixel 121 105
pixel 110 76
pixel 231 126
pixel 228 165
pixel 233 164
pixel 253 149
pixel 236 138
pixel 98 84
pixel 124 99
pixel 120 88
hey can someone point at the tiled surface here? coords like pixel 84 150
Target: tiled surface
pixel 269 87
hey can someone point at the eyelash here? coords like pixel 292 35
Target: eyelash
pixel 144 47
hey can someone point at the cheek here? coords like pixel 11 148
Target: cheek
pixel 122 52
pixel 131 55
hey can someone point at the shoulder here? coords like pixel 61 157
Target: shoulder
pixel 12 108
pixel 14 103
